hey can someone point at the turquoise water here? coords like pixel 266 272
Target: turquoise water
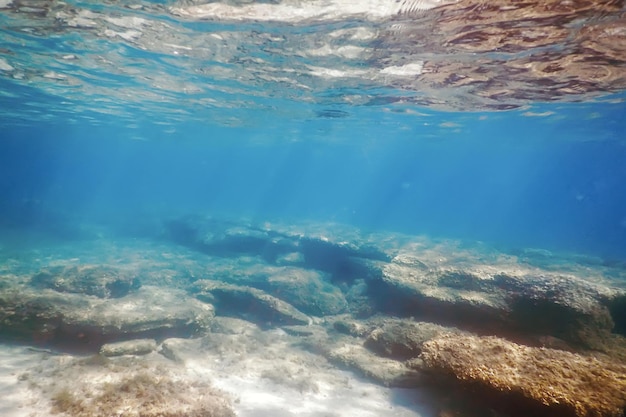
pixel 123 113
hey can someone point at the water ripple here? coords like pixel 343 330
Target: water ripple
pixel 188 60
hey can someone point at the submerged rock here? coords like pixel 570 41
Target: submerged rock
pixel 76 321
pixel 129 347
pixel 101 281
pixel 526 380
pixel 227 238
pixel 334 249
pixel 471 287
pixel 402 339
pixel 501 297
pixel 349 352
pixel 350 327
pixel 308 290
pixel 249 303
pixel 388 372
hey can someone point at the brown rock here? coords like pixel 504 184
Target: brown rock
pixel 530 381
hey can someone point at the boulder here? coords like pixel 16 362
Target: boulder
pixel 249 303
pixel 527 380
pixel 98 280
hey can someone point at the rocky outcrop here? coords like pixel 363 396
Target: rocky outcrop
pixel 77 321
pixel 335 249
pixel 308 290
pixel 501 297
pixel 99 280
pixel 529 381
pixel 250 303
pixel 533 296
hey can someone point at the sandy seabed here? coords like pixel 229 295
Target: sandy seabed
pixel 268 377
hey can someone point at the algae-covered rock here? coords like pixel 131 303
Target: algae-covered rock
pixel 79 321
pixel 499 297
pixel 308 290
pixel 149 310
pixel 101 281
pixel 402 339
pixel 528 380
pixel 248 303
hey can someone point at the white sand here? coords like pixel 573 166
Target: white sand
pixel 263 373
pixel 17 399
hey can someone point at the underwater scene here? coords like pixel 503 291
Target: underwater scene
pixel 312 208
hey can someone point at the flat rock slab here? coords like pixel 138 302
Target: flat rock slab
pixel 99 280
pixel 78 321
pixel 249 303
pixel 530 381
pixel 501 296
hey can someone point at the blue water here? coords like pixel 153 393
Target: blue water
pixel 510 180
pixel 546 174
